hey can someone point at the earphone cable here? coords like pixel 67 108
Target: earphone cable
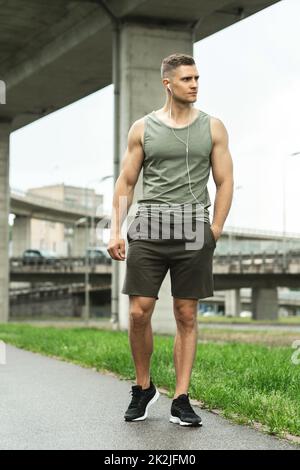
pixel 186 150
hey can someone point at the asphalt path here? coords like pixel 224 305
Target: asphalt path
pixel 48 403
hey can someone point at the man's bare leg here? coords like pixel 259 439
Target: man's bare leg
pixel 185 345
pixel 140 336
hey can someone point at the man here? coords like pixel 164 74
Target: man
pixel 176 145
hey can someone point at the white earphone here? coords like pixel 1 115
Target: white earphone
pixel 186 146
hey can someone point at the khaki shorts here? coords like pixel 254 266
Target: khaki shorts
pixel 148 261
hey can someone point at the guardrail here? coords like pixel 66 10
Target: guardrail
pixel 259 262
pixel 241 262
pixel 62 264
pixel 52 290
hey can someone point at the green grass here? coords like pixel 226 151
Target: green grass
pixel 249 383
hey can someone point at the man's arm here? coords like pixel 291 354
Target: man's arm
pixel 124 188
pixel 222 170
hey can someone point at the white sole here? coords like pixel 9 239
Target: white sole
pixel 176 420
pixel 153 400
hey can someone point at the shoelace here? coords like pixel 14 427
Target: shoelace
pixel 185 405
pixel 135 393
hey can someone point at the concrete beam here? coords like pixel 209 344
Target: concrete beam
pixel 71 42
pixel 269 280
pixel 23 119
pixel 58 47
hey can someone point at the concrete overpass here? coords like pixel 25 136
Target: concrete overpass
pixel 262 272
pixel 29 205
pixel 56 53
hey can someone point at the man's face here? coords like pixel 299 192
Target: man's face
pixel 184 83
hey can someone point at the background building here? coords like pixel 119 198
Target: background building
pixel 64 239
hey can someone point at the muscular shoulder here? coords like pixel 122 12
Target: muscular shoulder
pixel 218 130
pixel 137 130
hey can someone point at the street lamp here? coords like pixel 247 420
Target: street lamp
pixel 97 180
pixel 87 242
pixel 86 315
pixel 293 154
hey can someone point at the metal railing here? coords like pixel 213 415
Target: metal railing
pixel 62 264
pixel 53 290
pixel 242 262
pixel 259 262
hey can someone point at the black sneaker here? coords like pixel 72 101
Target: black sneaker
pixel 182 413
pixel 141 400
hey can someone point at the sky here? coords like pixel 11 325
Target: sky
pixel 249 78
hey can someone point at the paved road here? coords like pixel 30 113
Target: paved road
pixel 50 404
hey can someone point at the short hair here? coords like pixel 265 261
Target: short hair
pixel 170 63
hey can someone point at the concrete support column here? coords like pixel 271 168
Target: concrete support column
pixel 265 303
pixel 21 235
pixel 5 129
pixel 79 241
pixel 232 303
pixel 142 48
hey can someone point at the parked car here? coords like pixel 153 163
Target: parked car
pixel 32 256
pixel 99 255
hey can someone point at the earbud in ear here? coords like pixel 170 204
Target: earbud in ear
pixel 169 88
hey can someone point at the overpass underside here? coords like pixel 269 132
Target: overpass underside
pixel 54 53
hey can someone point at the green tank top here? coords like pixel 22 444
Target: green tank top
pixel 165 174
